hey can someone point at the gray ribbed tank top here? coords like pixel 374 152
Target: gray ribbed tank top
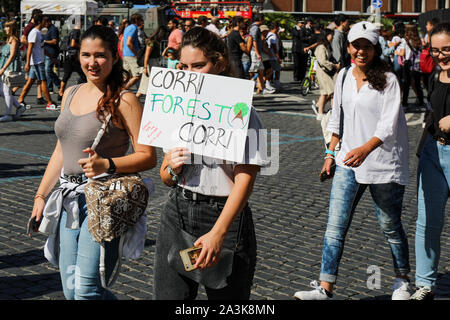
pixel 77 133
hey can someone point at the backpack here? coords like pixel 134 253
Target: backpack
pixel 140 56
pixel 426 61
pixel 415 60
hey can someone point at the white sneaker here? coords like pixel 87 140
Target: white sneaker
pixel 401 289
pixel 52 107
pixel 422 293
pixel 318 293
pixel 314 107
pixel 270 86
pixel 267 91
pixel 6 118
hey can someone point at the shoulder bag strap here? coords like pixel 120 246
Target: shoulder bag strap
pixel 101 132
pixel 341 116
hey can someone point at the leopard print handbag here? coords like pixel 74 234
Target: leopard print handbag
pixel 114 204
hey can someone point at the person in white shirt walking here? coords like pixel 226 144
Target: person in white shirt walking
pixel 214 26
pixel 35 64
pixel 373 154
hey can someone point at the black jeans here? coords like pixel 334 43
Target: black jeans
pixel 411 76
pixel 198 218
pixel 70 65
pixel 237 67
pixel 300 64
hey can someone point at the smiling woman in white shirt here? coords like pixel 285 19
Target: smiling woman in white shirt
pixel 373 154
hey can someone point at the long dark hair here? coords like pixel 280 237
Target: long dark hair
pixel 118 77
pixel 412 36
pixel 322 39
pixel 212 46
pixel 399 29
pixel 160 34
pixel 376 74
pixel 443 27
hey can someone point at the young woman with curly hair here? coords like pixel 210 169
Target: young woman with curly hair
pixel 373 155
pixel 83 110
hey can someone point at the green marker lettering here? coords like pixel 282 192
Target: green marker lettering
pixel 189 106
pixel 164 103
pixel 209 117
pixel 178 100
pixel 221 110
pixel 154 100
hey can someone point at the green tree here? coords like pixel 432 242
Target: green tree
pixel 285 20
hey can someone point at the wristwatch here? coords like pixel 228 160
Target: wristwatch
pixel 112 167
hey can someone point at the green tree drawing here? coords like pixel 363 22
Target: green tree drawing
pixel 240 110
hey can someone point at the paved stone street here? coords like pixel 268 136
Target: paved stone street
pixel 289 209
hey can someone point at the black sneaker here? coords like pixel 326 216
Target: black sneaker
pixel 59 97
pixel 41 100
pixel 422 293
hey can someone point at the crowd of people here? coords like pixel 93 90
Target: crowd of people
pixel 363 69
pixel 402 48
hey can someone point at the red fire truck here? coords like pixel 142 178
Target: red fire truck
pixel 223 10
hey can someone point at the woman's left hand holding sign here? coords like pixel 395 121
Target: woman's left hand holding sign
pixel 177 157
pixel 94 165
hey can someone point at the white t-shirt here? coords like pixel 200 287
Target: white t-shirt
pixel 211 27
pixel 404 45
pixel 272 43
pixel 37 55
pixel 215 177
pixel 367 114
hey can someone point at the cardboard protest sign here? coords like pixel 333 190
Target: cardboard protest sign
pixel 208 114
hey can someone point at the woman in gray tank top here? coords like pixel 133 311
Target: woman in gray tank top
pixel 83 109
pixel 208 201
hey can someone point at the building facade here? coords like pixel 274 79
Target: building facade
pixel 329 6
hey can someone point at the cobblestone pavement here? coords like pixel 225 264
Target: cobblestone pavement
pixel 289 208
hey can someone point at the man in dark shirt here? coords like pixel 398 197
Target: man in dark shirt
pixel 236 46
pixel 298 53
pixel 51 41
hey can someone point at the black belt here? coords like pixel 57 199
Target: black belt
pixel 198 197
pixel 75 178
pixel 442 140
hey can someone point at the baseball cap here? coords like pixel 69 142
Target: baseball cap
pixel 365 30
pixel 264 28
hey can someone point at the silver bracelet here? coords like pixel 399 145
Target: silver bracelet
pixel 172 173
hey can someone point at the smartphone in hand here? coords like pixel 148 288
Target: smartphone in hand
pixel 32 225
pixel 324 175
pixel 189 257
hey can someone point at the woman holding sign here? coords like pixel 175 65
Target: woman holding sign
pixel 83 111
pixel 208 203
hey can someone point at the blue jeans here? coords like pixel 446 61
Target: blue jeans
pixel 433 184
pixel 197 218
pixel 51 77
pixel 246 65
pixel 37 71
pixel 345 195
pixel 79 260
